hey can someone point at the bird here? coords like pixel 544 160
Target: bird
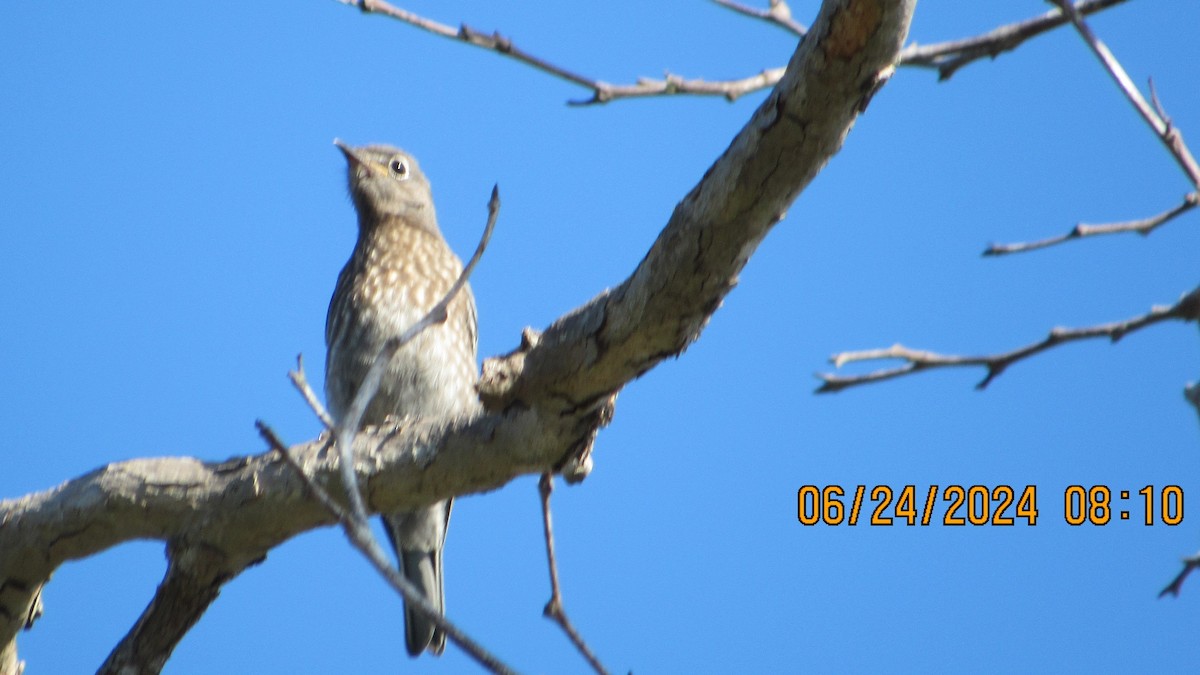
pixel 401 266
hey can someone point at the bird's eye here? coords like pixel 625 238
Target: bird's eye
pixel 399 168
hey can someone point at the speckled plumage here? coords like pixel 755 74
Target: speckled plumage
pixel 400 268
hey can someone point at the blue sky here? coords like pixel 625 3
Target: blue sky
pixel 174 217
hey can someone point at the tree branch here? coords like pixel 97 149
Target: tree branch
pixel 196 572
pixel 1158 120
pixel 778 15
pixel 300 381
pixel 1189 563
pixel 554 609
pixel 358 531
pixel 946 57
pixel 1187 309
pixel 544 400
pixel 1191 393
pixel 1143 227
pixel 494 42
pixel 195 575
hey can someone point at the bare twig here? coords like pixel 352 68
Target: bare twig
pixel 494 42
pixel 602 92
pixel 301 383
pixel 1155 116
pixel 1187 309
pixel 1189 563
pixel 778 15
pixel 1143 227
pixel 359 533
pixel 945 57
pixel 1160 123
pixel 1191 393
pixel 554 608
pixel 370 385
pixel 672 84
pixel 948 57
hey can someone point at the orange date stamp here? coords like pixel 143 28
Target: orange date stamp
pixel 980 505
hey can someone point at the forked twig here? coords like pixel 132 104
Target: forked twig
pixel 1156 118
pixel 1187 309
pixel 310 397
pixel 359 533
pixel 948 57
pixel 554 608
pixel 1189 563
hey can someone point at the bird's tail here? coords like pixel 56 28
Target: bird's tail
pixel 424 570
pixel 417 539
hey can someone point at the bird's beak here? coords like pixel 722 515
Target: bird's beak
pixel 351 155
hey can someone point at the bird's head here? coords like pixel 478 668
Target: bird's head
pixel 386 182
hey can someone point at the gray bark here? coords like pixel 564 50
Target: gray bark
pixel 546 399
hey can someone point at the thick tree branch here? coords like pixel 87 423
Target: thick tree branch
pixel 1187 309
pixel 195 575
pixel 545 399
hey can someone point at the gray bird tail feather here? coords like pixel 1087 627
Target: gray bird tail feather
pixel 424 570
pixel 417 538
